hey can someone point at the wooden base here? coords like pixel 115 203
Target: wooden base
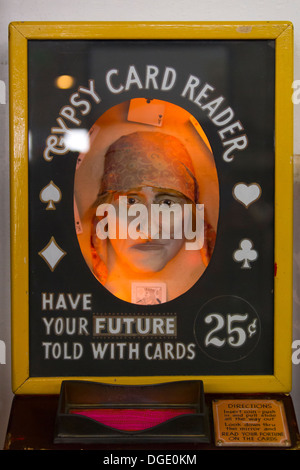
pixel 32 420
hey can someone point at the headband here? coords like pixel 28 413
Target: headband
pixel 149 159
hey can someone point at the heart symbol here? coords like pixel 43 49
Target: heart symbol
pixel 247 194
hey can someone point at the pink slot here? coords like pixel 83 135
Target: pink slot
pixel 131 419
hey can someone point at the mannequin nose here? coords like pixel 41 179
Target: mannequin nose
pixel 148 227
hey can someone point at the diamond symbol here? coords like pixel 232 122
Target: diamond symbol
pixel 52 254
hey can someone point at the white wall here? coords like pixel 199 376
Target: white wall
pixel 127 10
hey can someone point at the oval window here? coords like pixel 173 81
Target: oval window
pixel 146 201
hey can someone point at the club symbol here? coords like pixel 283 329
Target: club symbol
pixel 245 253
pixel 50 194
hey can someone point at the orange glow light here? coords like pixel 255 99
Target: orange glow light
pixel 64 81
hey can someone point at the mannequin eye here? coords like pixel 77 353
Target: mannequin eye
pixel 166 202
pixel 131 200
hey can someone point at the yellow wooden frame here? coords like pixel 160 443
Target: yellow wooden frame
pixel 282 33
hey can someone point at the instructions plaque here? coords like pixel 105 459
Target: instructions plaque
pixel 151 191
pixel 250 422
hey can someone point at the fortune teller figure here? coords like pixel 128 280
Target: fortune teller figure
pixel 145 217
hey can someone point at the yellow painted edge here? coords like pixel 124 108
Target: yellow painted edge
pixel 283 243
pixel 19 206
pixel 19 33
pixel 151 30
pixel 213 384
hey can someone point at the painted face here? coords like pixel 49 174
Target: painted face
pixel 148 245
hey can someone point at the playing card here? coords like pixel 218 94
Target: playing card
pixel 148 293
pixel 146 112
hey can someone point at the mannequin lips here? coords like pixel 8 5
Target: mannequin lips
pixel 149 246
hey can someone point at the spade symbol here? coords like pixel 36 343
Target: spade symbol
pixel 50 194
